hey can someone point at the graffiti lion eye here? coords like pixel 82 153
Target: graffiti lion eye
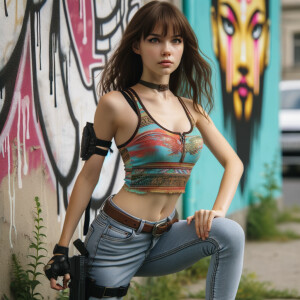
pixel 228 26
pixel 257 30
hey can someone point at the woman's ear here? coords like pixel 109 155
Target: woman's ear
pixel 136 48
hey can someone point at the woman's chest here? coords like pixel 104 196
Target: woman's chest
pixel 154 144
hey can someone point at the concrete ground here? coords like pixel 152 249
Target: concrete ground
pixel 277 262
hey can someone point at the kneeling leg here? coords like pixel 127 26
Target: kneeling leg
pixel 180 248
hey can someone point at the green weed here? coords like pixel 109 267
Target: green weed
pixel 156 288
pixel 264 215
pixel 289 215
pixel 263 211
pixel 252 289
pixel 24 282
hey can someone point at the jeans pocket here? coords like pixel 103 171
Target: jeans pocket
pixel 88 235
pixel 93 237
pixel 118 233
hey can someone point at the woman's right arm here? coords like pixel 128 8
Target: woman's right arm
pixel 105 126
pixel 80 197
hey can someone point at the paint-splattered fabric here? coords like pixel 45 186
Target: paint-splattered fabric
pixel 157 159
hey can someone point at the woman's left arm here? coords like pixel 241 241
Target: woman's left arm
pixel 233 166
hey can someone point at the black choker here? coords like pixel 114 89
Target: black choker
pixel 159 87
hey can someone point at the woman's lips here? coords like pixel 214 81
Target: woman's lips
pixel 165 64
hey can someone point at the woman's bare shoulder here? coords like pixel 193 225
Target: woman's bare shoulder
pixel 113 100
pixel 110 109
pixel 114 104
pixel 197 114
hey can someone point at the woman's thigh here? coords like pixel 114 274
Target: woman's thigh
pixel 115 251
pixel 180 247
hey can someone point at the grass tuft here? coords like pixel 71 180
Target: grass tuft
pixel 252 289
pixel 263 213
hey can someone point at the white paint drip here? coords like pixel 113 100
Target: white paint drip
pixel 25 106
pixel 28 115
pixel 11 194
pixel 80 9
pixel 4 137
pixel 42 145
pixel 60 196
pixel 11 116
pixel 84 40
pixel 19 144
pixel 3 149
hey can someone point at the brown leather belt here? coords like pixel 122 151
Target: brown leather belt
pixel 156 229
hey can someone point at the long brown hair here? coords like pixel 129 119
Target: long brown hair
pixel 192 78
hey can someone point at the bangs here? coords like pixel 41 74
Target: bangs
pixel 164 18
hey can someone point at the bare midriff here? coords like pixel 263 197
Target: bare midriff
pixel 151 206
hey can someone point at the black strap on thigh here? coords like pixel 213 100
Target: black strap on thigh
pixel 100 292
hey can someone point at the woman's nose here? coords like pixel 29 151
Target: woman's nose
pixel 166 53
pixel 166 50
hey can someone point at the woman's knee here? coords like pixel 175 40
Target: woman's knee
pixel 228 233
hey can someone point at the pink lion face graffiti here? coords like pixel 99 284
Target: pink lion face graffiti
pixel 241 44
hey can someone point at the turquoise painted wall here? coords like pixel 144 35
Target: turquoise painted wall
pixel 206 176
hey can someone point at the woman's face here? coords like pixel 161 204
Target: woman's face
pixel 156 48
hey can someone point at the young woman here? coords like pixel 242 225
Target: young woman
pixel 159 136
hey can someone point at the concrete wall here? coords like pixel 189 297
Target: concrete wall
pixel 51 55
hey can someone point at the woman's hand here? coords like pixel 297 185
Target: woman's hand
pixel 58 265
pixel 203 220
pixel 56 286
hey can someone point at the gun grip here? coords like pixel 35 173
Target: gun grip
pixel 80 247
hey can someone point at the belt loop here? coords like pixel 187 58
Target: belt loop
pixel 140 227
pixel 170 217
pixel 105 200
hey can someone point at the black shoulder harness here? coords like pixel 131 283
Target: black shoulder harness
pixel 89 143
pixel 129 100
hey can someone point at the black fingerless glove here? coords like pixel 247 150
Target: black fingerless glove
pixel 60 263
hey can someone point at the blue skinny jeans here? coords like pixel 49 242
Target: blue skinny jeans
pixel 117 253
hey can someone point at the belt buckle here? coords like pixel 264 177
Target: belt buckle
pixel 155 227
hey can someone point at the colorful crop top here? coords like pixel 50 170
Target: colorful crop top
pixel 157 159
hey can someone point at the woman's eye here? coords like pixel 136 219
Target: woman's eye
pixel 178 41
pixel 256 32
pixel 153 40
pixel 228 26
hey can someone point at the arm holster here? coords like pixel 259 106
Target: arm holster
pixel 89 143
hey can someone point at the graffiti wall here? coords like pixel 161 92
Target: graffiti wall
pixel 51 55
pixel 241 41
